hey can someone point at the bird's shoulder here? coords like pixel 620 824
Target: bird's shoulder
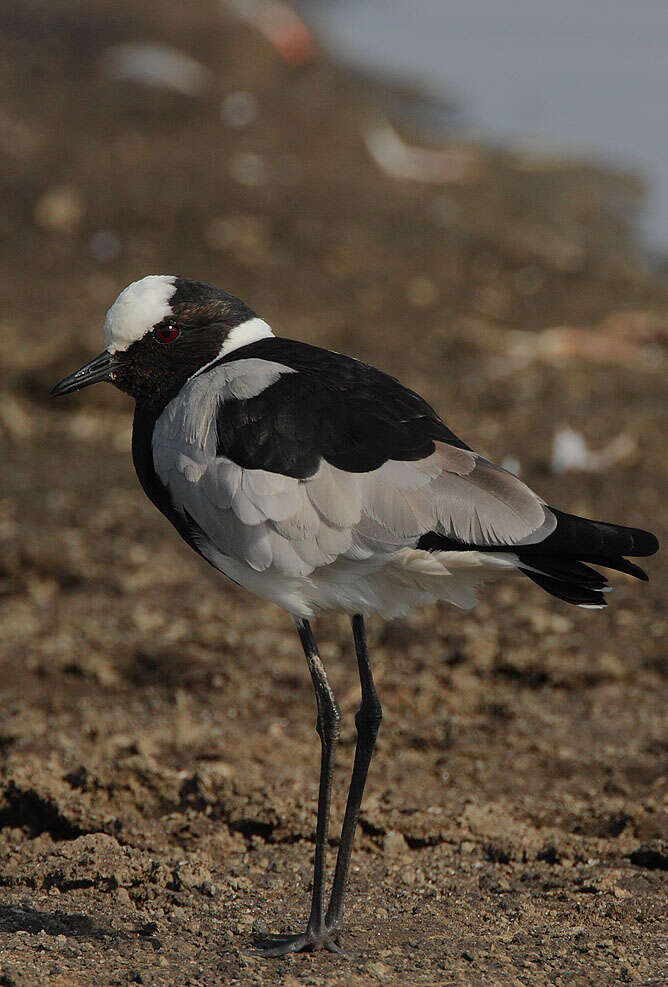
pixel 286 405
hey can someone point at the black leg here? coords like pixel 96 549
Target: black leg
pixel 367 721
pixel 328 726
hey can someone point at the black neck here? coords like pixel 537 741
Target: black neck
pixel 143 424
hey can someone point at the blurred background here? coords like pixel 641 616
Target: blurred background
pixel 588 77
pixel 474 198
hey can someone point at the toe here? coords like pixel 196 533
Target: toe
pixel 281 945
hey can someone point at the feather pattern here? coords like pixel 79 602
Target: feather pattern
pixel 337 538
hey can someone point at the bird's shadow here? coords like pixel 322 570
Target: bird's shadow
pixel 23 918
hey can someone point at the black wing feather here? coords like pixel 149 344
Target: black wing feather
pixel 333 408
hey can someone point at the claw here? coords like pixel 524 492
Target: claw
pixel 303 942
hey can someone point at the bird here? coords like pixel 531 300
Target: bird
pixel 320 483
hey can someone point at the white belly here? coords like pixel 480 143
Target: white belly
pixel 390 585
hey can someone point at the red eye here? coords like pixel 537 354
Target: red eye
pixel 166 334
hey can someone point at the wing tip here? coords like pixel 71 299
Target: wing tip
pixel 645 543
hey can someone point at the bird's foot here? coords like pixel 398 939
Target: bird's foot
pixel 303 942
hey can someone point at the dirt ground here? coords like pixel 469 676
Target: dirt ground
pixel 158 763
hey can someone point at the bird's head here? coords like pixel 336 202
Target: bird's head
pixel 162 330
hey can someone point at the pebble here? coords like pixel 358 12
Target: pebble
pixel 123 898
pixel 380 970
pixel 395 844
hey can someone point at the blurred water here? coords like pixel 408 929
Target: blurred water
pixel 587 75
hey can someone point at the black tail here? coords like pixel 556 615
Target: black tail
pixel 558 563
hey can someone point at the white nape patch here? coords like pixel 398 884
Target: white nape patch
pixel 243 334
pixel 137 309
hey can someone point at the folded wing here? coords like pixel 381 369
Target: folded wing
pixel 297 523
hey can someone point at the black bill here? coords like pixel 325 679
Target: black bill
pixel 97 369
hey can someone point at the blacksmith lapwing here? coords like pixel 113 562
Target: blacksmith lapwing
pixel 321 483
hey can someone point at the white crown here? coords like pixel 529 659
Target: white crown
pixel 137 309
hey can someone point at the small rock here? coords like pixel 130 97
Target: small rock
pixel 380 970
pixel 394 844
pixel 240 883
pixel 409 876
pixel 194 876
pixel 123 899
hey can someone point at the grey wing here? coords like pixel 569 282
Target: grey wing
pixel 264 519
pixel 456 494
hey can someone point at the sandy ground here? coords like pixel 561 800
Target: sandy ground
pixel 158 764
